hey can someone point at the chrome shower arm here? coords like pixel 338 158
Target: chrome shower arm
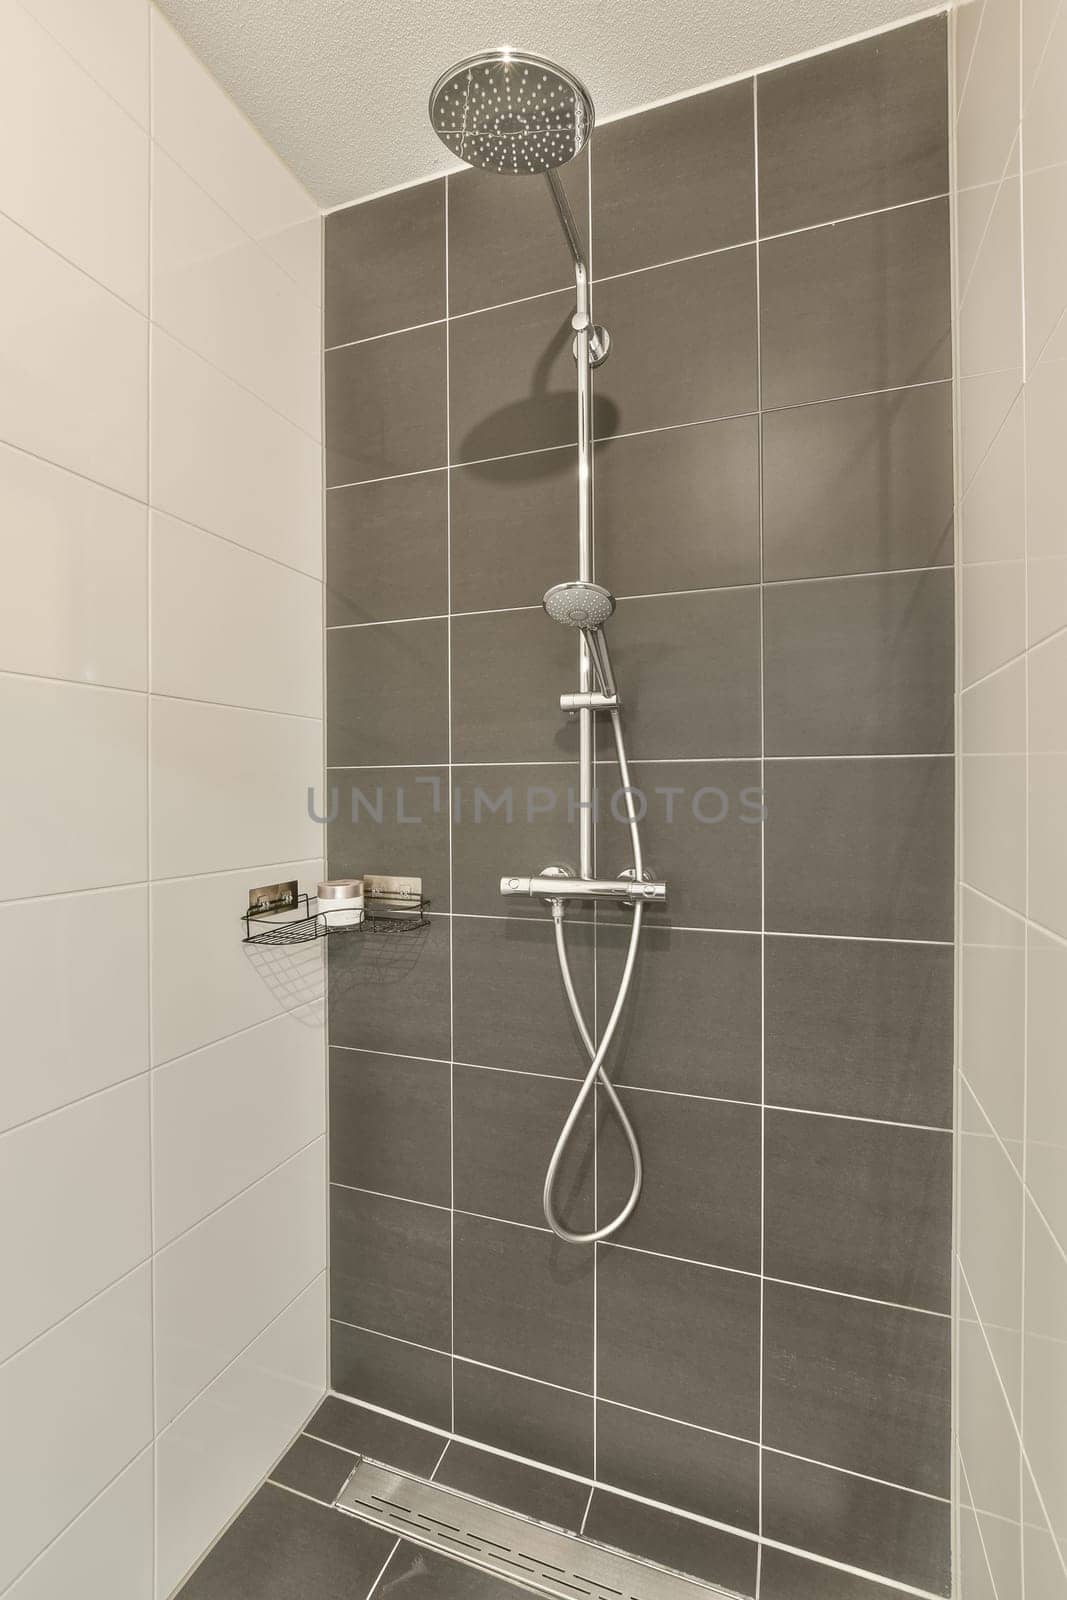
pixel 570 227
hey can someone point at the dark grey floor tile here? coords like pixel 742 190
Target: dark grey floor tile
pixel 387 694
pixel 385 1372
pixel 784 1576
pixel 706 1473
pixel 693 1025
pixel 545 1496
pixel 884 1530
pixel 860 485
pixel 283 1547
pixel 860 666
pixel 369 1433
pixel 675 181
pixel 863 305
pixel 857 1385
pixel 507 968
pixel 387 550
pixel 391 821
pixel 523 1301
pixel 314 1468
pixel 505 1128
pixel 390 992
pixel 386 406
pixel 679 509
pixel 390 1125
pixel 701 833
pixel 658 374
pixel 701 1197
pixel 529 1419
pixel 385 263
pixel 390 1266
pixel 504 239
pixel 418 1574
pixel 524 402
pixel 679 1339
pixel 861 848
pixel 688 667
pixel 670 1541
pixel 861 1207
pixel 854 129
pixel 861 1029
pixel 509 669
pixel 510 820
pixel 513 528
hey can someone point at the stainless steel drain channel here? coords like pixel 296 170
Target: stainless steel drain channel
pixel 529 1554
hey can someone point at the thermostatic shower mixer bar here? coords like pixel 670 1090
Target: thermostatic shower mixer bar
pixel 513 113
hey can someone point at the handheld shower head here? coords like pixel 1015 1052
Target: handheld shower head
pixel 511 112
pixel 579 604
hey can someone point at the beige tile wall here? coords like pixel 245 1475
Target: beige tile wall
pixel 1011 165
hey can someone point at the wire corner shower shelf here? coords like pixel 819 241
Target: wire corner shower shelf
pixel 387 914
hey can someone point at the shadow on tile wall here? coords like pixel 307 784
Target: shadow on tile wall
pixel 774 510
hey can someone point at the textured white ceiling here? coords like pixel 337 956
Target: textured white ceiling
pixel 340 87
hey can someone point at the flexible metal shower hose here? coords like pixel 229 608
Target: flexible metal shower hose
pixel 598 1053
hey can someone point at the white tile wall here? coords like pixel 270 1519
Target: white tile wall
pixel 206 134
pixel 265 1090
pixel 205 1465
pixel 205 983
pixel 73 164
pixel 221 458
pixel 72 804
pixel 79 1181
pixel 106 1551
pixel 109 39
pixel 219 1284
pixel 215 289
pixel 76 1408
pixel 73 366
pixel 230 787
pixel 78 1021
pixel 73 565
pixel 1011 64
pixel 259 625
pixel 125 990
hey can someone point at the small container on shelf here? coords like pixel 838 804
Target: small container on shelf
pixel 341 902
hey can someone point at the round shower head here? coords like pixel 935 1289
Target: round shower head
pixel 511 112
pixel 579 605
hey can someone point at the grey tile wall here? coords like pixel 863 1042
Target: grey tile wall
pixel 774 510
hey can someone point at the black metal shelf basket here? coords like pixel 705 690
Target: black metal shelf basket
pixel 385 914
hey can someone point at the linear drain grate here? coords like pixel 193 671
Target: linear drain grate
pixel 526 1553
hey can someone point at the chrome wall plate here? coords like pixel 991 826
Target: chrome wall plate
pixel 533 1556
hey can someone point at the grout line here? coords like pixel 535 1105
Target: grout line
pixel 666 594
pixel 637 761
pixel 585 1513
pixel 215 1378
pixel 762 843
pixel 734 246
pixel 392 333
pixel 295 1155
pixel 224 372
pixel 83 1512
pixel 1027 1192
pixel 598 1483
pixel 385 1567
pixel 641 433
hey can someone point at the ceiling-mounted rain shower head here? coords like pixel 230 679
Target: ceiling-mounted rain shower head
pixel 510 112
pixel 579 605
